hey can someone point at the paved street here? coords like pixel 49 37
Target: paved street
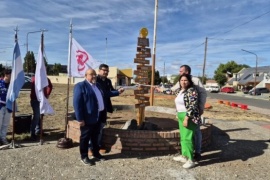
pixel 239 97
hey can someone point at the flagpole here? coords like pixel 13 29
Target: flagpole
pixel 67 142
pixel 68 83
pixel 13 104
pixel 42 115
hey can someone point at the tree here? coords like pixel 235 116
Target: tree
pixel 46 64
pixel 164 79
pixel 56 69
pixel 176 79
pixel 220 78
pixel 2 68
pixel 231 67
pixel 228 68
pixel 157 77
pixel 203 79
pixel 29 64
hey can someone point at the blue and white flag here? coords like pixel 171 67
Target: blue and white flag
pixel 41 81
pixel 17 78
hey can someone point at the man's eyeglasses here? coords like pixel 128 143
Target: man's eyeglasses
pixel 105 70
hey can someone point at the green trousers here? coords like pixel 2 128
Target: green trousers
pixel 186 135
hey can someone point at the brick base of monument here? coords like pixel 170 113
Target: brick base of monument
pixel 140 140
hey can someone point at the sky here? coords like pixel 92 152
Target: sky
pixel 181 30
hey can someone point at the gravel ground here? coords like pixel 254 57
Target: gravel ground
pixel 240 150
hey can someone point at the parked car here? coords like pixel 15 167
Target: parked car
pixel 27 83
pixel 29 74
pixel 227 89
pixel 212 88
pixel 258 91
pixel 168 91
pixel 245 90
pixel 165 88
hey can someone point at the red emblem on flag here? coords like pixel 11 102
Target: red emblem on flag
pixel 81 57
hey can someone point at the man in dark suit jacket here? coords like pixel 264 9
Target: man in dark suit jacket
pixel 108 90
pixel 89 106
pixel 106 86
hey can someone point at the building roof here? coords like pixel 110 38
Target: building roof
pixel 246 75
pixel 230 81
pixel 211 81
pixel 126 72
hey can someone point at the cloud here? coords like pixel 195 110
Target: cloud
pixel 182 26
pixel 13 22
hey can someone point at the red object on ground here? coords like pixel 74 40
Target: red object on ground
pixel 207 106
pixel 227 103
pixel 244 106
pixel 233 104
pixel 220 101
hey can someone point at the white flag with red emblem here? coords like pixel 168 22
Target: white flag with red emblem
pixel 41 82
pixel 80 60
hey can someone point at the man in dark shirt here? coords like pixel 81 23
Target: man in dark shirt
pixel 106 86
pixel 35 125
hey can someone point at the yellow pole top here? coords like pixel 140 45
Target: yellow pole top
pixel 143 32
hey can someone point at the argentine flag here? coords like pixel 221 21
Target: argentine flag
pixel 17 78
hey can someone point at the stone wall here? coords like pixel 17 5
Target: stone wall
pixel 140 140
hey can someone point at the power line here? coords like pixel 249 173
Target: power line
pixel 194 48
pixel 11 47
pixel 257 17
pixel 232 40
pixel 6 47
pixel 246 22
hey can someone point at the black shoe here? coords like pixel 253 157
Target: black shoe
pixel 87 161
pixel 197 156
pixel 99 157
pixel 32 138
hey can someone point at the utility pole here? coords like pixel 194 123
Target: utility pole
pixel 106 52
pixel 256 68
pixel 164 73
pixel 204 62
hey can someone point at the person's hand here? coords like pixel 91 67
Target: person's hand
pixel 157 89
pixel 121 90
pixel 81 123
pixel 185 123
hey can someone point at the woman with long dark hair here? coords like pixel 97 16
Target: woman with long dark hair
pixel 188 117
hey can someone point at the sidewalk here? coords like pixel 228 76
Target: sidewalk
pixel 262 96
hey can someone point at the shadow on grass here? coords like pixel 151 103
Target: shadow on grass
pixel 48 135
